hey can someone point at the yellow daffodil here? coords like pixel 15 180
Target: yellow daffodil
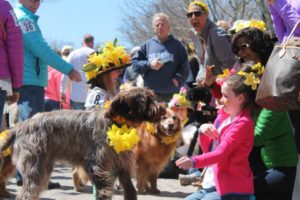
pixel 201 4
pixel 253 23
pixel 170 139
pixel 3 136
pixel 258 68
pixel 91 74
pixel 150 127
pixel 95 59
pixel 251 80
pixel 122 139
pixel 111 56
pixel 106 104
pixel 225 73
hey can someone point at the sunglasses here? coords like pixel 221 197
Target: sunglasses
pixel 242 47
pixel 196 14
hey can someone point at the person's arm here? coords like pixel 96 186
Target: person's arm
pixel 288 15
pixel 222 48
pixel 265 128
pixel 140 62
pixel 278 24
pixel 34 41
pixel 15 49
pixel 232 140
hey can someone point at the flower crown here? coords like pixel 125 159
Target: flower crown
pixel 252 78
pixel 253 23
pixel 110 58
pixel 179 99
pixel 200 4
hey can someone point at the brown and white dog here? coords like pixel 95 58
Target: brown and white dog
pixel 155 148
pixel 80 138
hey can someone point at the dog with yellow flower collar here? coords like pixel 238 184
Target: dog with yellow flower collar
pixel 156 146
pixel 81 138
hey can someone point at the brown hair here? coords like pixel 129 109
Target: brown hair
pixel 236 82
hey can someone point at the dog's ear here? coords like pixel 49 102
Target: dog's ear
pixel 135 104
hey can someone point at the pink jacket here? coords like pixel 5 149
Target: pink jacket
pixel 11 46
pixel 52 91
pixel 230 158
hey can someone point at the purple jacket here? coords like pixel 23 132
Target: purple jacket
pixel 11 46
pixel 285 14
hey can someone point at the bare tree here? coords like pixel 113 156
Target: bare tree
pixel 137 17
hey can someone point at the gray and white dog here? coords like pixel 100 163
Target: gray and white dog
pixel 79 137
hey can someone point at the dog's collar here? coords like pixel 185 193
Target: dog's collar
pixel 122 138
pixel 164 139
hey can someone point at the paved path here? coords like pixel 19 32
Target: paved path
pixel 170 189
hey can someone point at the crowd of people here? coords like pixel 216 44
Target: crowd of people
pixel 249 152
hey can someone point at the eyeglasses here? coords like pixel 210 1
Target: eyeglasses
pixel 196 14
pixel 242 47
pixel 38 1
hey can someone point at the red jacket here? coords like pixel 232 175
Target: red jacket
pixel 11 46
pixel 231 168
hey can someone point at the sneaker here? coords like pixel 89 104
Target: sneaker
pixel 187 179
pixel 52 185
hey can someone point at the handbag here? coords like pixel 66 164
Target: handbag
pixel 279 88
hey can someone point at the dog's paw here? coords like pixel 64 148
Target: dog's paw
pixel 155 191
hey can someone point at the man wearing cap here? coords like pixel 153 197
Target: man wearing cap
pixel 78 58
pixel 162 60
pixel 217 41
pixel 37 55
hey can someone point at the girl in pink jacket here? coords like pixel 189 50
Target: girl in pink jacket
pixel 228 142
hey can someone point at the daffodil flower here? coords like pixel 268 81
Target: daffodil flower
pixel 225 73
pixel 122 139
pixel 251 80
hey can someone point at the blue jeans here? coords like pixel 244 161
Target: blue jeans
pixel 51 105
pixel 204 194
pixel 77 105
pixel 211 194
pixel 2 102
pixel 31 101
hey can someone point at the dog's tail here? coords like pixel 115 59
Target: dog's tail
pixel 8 139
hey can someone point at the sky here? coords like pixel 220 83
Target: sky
pixel 66 21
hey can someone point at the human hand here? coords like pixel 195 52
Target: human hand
pixel 62 97
pixel 209 130
pixel 175 82
pixel 210 78
pixel 184 162
pixel 13 98
pixel 156 64
pixel 74 75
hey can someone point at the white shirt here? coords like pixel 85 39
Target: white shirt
pixel 79 90
pixel 208 180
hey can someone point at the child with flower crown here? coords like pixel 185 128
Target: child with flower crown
pixel 102 71
pixel 227 144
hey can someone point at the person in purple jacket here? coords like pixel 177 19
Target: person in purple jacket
pixel 11 56
pixel 285 14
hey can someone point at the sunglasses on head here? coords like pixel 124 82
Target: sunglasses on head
pixel 196 14
pixel 241 47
